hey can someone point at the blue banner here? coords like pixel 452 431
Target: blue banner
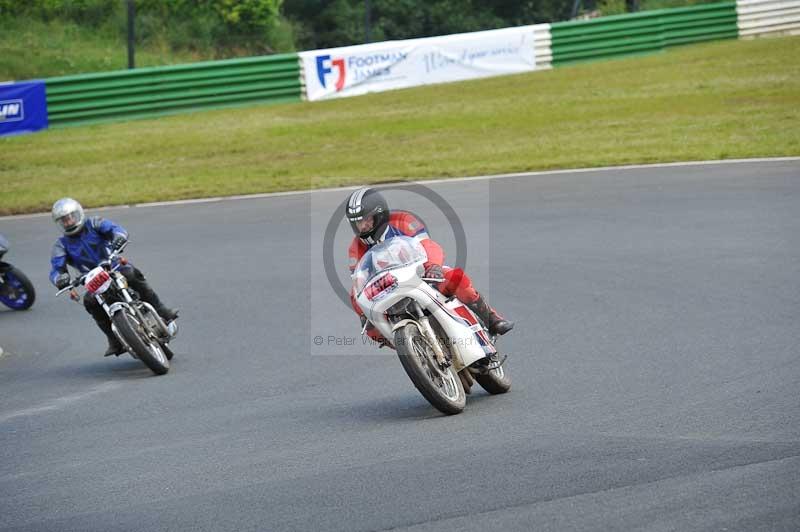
pixel 23 107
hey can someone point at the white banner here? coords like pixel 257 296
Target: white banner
pixel 354 70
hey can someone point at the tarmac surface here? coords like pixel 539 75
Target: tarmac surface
pixel 655 366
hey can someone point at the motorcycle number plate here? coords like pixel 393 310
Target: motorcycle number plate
pixel 97 281
pixel 381 287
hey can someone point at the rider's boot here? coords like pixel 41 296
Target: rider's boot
pixel 166 313
pixel 115 347
pixel 494 321
pixel 149 295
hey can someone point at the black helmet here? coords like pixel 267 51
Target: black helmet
pixel 367 205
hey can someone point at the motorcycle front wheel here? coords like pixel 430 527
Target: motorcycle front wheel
pixel 440 386
pixel 148 351
pixel 17 292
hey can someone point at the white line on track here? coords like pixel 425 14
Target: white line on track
pixel 59 403
pixel 426 182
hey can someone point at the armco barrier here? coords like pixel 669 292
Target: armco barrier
pixel 146 92
pixel 542 42
pixel 647 31
pixel 768 17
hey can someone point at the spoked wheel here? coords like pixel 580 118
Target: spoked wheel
pixel 439 385
pixel 496 381
pixel 17 292
pixel 147 349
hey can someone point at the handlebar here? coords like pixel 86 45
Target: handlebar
pixel 74 284
pixel 117 252
pixel 114 255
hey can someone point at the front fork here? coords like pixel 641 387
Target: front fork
pixel 115 307
pixel 166 331
pixel 430 336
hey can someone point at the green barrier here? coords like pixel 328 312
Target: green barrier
pixel 637 33
pixel 157 91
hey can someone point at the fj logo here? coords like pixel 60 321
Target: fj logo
pixel 323 69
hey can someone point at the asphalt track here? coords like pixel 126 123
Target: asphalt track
pixel 655 365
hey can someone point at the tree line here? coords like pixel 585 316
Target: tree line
pixel 246 27
pixel 329 23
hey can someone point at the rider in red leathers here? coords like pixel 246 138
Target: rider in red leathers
pixel 373 222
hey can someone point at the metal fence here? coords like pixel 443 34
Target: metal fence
pixel 642 32
pixel 147 92
pixel 768 17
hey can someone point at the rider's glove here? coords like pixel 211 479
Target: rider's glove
pixel 434 271
pixel 62 281
pixel 117 242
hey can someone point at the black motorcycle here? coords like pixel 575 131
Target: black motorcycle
pixel 16 290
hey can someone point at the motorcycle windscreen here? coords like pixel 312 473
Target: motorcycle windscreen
pixel 393 253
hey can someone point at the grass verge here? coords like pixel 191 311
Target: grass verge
pixel 721 100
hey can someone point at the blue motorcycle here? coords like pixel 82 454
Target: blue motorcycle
pixel 16 290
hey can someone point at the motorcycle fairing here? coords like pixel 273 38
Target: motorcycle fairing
pixel 469 344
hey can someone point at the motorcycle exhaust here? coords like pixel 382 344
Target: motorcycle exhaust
pixel 466 381
pixel 167 331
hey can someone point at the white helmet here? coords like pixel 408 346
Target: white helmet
pixel 68 215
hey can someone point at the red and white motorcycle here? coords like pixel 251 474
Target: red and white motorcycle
pixel 441 343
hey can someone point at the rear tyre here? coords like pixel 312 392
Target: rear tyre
pixel 440 386
pixel 149 352
pixel 495 382
pixel 18 292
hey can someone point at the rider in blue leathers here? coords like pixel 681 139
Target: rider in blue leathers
pixel 86 243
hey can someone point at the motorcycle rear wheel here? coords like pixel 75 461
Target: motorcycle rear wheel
pixel 149 352
pixel 167 351
pixel 495 382
pixel 441 387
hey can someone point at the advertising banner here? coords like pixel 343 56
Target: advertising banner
pixel 354 70
pixel 23 107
